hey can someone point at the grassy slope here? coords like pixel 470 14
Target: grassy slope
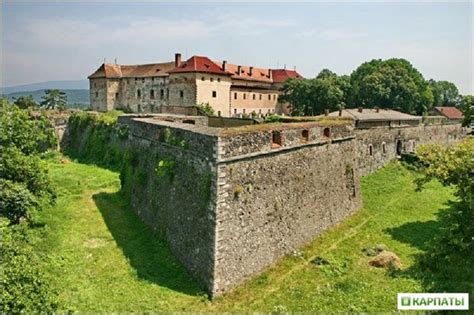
pixel 104 259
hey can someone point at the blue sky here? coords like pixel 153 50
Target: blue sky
pixel 68 41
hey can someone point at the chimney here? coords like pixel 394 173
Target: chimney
pixel 224 64
pixel 326 112
pixel 270 74
pixel 239 70
pixel 340 112
pixel 250 71
pixel 177 59
pixel 359 109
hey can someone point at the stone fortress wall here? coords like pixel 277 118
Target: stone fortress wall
pixel 240 198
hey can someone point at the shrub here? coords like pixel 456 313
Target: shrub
pixel 206 109
pixel 25 131
pixel 16 201
pixel 24 287
pixel 451 166
pixel 28 170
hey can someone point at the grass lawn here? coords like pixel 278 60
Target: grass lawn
pixel 101 257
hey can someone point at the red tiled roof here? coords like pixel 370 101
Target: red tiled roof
pixel 199 64
pixel 281 75
pixel 450 112
pixel 111 70
pixel 258 74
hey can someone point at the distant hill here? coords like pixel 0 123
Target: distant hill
pixel 62 85
pixel 73 96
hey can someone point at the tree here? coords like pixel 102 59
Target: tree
pixel 54 99
pixel 465 104
pixel 445 93
pixel 25 102
pixel 392 83
pixel 313 96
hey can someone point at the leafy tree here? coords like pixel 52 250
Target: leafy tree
pixel 465 104
pixel 313 96
pixel 25 102
pixel 445 93
pixel 392 83
pixel 297 94
pixel 54 99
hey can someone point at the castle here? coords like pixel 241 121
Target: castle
pixel 230 201
pixel 231 90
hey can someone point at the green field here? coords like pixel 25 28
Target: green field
pixel 101 257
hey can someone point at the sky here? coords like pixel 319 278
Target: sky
pixel 48 41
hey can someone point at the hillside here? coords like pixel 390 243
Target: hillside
pixel 75 96
pixel 62 85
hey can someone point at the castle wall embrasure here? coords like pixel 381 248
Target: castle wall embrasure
pixel 378 146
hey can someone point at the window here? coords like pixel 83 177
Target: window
pixel 269 97
pixel 116 95
pixel 305 135
pixel 128 81
pixel 218 113
pixel 235 111
pixel 139 93
pixel 96 94
pixel 245 96
pixel 276 140
pixel 414 145
pixel 274 97
pixel 260 96
pixel 235 95
pixel 212 79
pixel 327 132
pixel 218 79
pixel 203 79
pixel 371 150
pixel 136 79
pixel 260 111
pixel 181 93
pixel 384 148
pixel 254 96
pixel 143 80
pixel 189 121
pixel 214 94
pixel 152 94
pixel 153 79
pixel 243 110
pixel 162 93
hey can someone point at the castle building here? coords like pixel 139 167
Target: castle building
pixel 231 90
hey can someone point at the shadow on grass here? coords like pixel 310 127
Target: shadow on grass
pixel 147 254
pixel 446 270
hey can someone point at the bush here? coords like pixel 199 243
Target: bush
pixel 206 109
pixel 24 287
pixel 20 129
pixel 16 201
pixel 452 166
pixel 28 170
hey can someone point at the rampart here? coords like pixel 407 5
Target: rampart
pixel 231 201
